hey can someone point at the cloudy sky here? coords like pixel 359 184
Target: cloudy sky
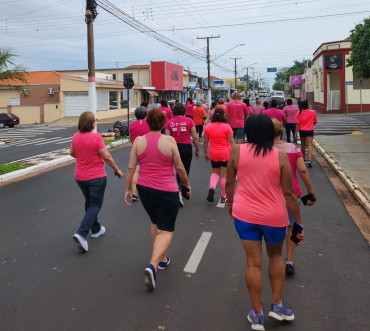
pixel 51 34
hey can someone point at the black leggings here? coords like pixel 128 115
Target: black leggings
pixel 186 154
pixel 199 129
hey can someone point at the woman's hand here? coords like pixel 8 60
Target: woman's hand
pixel 230 210
pixel 128 198
pixel 189 192
pixel 119 173
pixel 299 236
pixel 197 155
pixel 206 157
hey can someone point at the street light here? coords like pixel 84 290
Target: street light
pixel 227 52
pixel 247 67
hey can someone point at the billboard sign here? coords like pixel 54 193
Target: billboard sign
pixel 167 76
pixel 296 80
pixel 333 61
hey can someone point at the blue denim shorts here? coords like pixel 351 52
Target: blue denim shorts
pixel 290 215
pixel 238 133
pixel 250 231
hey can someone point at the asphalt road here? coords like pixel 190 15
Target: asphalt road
pixel 47 284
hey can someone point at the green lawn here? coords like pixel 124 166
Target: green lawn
pixel 6 168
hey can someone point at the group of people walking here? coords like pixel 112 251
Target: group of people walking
pixel 264 204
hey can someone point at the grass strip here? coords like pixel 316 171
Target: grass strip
pixel 10 167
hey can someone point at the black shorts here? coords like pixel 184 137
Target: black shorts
pixel 304 134
pixel 218 164
pixel 161 206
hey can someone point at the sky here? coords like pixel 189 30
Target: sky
pixel 51 34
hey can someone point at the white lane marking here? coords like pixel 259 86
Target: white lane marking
pixel 196 256
pixel 33 141
pixel 63 141
pixel 220 205
pixel 49 141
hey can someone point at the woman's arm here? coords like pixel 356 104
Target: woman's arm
pixel 195 137
pixel 303 172
pixel 231 140
pixel 179 167
pixel 109 160
pixel 132 163
pixel 72 152
pixel 232 166
pixel 168 132
pixel 205 147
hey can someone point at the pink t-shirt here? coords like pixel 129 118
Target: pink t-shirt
pixel 167 111
pixel 293 153
pixel 218 133
pixel 222 106
pixel 189 108
pixel 259 197
pixel 89 163
pixel 156 169
pixel 258 110
pixel 138 128
pixel 306 119
pixel 204 106
pixel 275 113
pixel 291 113
pixel 180 127
pixel 237 111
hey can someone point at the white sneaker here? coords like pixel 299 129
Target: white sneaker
pixel 98 234
pixel 81 242
pixel 181 201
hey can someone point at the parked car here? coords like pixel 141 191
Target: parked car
pixel 280 101
pixel 279 94
pixel 8 120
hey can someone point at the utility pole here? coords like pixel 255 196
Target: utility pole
pixel 90 15
pixel 209 68
pixel 235 71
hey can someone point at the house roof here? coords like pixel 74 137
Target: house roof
pixel 39 77
pixel 348 39
pixel 141 66
pixel 214 78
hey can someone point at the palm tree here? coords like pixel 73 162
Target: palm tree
pixel 9 70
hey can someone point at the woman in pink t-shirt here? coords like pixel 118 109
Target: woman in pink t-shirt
pixel 296 163
pixel 214 105
pixel 290 113
pixel 258 108
pixel 189 107
pixel 167 110
pixel 258 208
pixel 90 152
pixel 220 136
pixel 182 128
pixel 158 156
pixel 138 128
pixel 306 120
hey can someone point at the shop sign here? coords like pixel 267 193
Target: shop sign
pixel 333 61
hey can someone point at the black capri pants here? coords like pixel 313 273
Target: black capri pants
pixel 186 155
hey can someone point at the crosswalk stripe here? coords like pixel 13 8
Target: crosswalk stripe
pixel 48 141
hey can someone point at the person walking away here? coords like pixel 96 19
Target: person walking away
pixel 214 105
pixel 290 112
pixel 158 191
pixel 266 105
pixel 90 152
pixel 296 163
pixel 137 129
pixel 167 111
pixel 258 209
pixel 258 108
pixel 221 104
pixel 220 136
pixel 274 112
pixel 181 128
pixel 236 112
pixel 204 106
pixel 306 120
pixel 189 107
pixel 250 112
pixel 199 116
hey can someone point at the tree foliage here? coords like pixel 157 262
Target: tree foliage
pixel 278 86
pixel 360 49
pixel 282 77
pixel 9 70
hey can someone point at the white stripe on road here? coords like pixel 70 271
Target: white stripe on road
pixel 64 141
pixel 196 256
pixel 51 140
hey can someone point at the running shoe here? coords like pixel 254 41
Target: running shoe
pixel 163 265
pixel 181 201
pixel 99 233
pixel 289 269
pixel 223 200
pixel 135 197
pixel 309 163
pixel 211 194
pixel 150 277
pixel 81 242
pixel 281 313
pixel 256 320
pixel 305 161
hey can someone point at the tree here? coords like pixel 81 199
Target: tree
pixel 359 58
pixel 9 70
pixel 216 92
pixel 278 86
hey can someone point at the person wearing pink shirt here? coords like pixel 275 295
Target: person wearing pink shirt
pixel 258 108
pixel 138 128
pixel 236 113
pixel 221 104
pixel 90 152
pixel 296 164
pixel 274 112
pixel 290 113
pixel 220 136
pixel 306 120
pixel 258 208
pixel 189 107
pixel 167 110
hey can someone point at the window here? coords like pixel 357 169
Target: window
pixel 113 100
pixel 127 76
pixel 114 76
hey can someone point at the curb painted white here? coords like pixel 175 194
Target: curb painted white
pixel 351 185
pixel 23 172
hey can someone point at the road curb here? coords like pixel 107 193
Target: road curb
pixel 45 165
pixel 354 188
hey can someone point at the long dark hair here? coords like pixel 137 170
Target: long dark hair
pixel 218 116
pixel 246 101
pixel 302 105
pixel 260 133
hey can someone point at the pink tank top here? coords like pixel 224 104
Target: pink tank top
pixel 259 197
pixel 156 169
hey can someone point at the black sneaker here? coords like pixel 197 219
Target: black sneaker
pixel 289 269
pixel 163 265
pixel 309 163
pixel 211 194
pixel 135 197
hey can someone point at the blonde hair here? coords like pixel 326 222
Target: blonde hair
pixel 86 121
pixel 278 128
pixel 221 101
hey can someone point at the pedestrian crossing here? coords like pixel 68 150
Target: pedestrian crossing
pixel 13 137
pixel 339 124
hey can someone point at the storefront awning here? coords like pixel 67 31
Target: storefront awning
pixel 152 93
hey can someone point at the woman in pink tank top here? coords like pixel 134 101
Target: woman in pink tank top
pixel 159 157
pixel 258 208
